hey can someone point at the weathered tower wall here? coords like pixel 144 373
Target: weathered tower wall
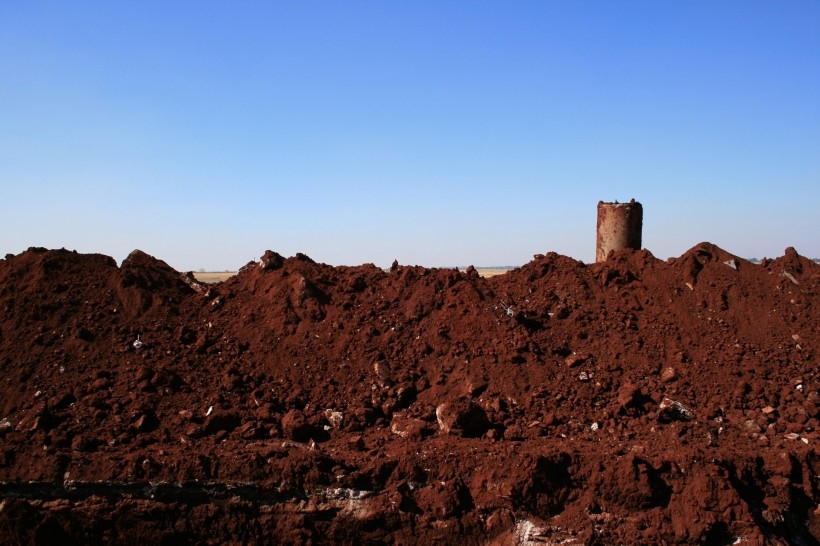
pixel 619 226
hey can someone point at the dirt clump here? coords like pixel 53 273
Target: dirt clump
pixel 634 401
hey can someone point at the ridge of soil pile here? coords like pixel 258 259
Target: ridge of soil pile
pixel 635 401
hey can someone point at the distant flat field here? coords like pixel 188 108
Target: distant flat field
pixel 219 276
pixel 491 271
pixel 213 276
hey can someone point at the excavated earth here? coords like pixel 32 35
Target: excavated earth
pixel 635 401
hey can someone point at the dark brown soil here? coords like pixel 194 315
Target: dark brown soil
pixel 635 401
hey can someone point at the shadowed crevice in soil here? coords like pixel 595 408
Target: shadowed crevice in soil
pixel 187 493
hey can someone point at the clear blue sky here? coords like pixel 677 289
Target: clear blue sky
pixel 437 133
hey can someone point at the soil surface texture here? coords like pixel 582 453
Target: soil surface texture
pixel 634 401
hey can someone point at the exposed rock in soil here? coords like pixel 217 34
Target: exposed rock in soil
pixel 634 401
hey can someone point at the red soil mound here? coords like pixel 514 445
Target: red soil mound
pixel 630 402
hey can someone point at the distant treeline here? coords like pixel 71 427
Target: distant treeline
pixel 757 260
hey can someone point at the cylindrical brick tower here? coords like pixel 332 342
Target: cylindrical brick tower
pixel 619 226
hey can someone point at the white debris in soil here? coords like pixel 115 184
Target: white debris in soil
pixel 790 277
pixel 675 410
pixel 335 418
pixel 526 533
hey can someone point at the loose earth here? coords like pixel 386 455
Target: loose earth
pixel 634 401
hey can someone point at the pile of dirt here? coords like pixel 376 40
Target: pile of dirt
pixel 635 401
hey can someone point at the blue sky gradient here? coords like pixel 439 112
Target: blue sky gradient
pixel 435 133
